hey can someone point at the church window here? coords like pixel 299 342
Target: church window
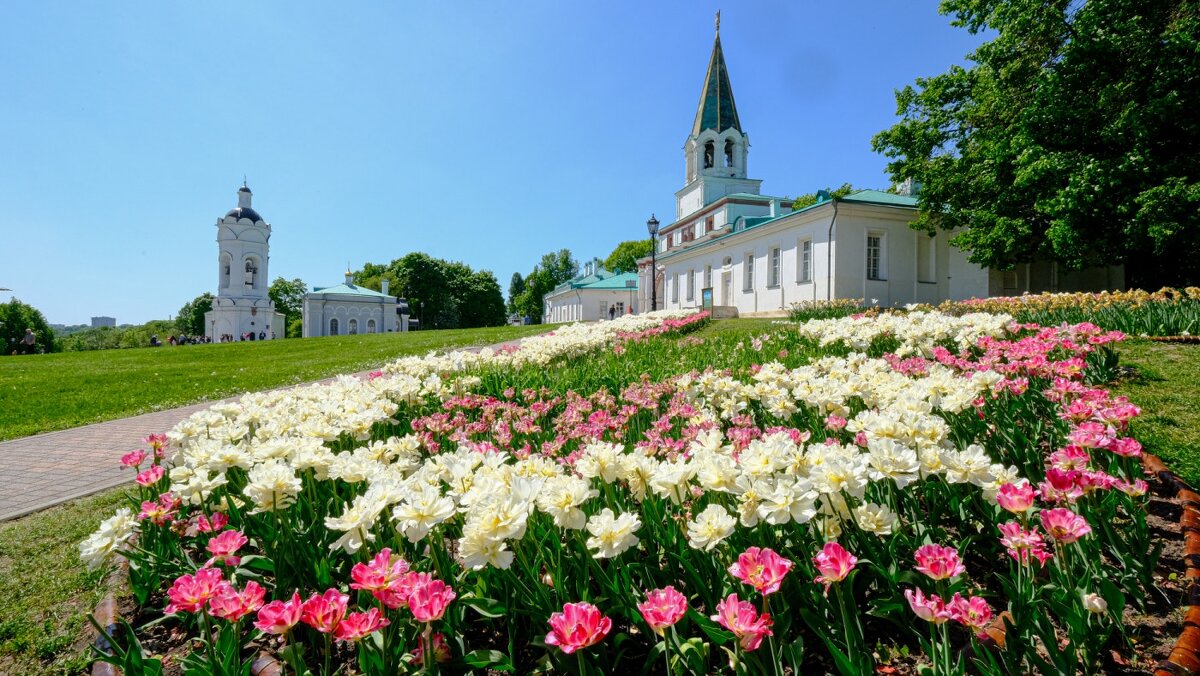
pixel 370 326
pixel 748 272
pixel 773 271
pixel 353 327
pixel 691 285
pixel 251 271
pixel 876 264
pixel 729 153
pixel 225 268
pixel 709 154
pixel 804 264
pixel 333 326
pixel 708 276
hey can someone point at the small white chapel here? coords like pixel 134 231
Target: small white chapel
pixel 242 307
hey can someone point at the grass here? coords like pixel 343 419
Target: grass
pixel 1165 387
pixel 42 393
pixel 45 592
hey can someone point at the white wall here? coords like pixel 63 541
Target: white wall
pixel 319 309
pixel 585 305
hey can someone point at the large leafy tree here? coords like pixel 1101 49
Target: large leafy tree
pixel 443 294
pixel 626 254
pixel 15 317
pixel 516 286
pixel 288 296
pixel 1074 136
pixel 190 319
pixel 555 268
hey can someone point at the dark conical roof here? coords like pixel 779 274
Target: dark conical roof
pixel 717 110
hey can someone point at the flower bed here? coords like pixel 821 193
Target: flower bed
pixel 823 497
pixel 1166 312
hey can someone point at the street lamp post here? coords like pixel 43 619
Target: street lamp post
pixel 652 228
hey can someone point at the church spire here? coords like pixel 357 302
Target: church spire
pixel 717 110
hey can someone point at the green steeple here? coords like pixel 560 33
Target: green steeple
pixel 717 110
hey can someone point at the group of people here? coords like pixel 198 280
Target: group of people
pixel 181 339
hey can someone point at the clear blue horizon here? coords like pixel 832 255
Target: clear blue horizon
pixel 489 136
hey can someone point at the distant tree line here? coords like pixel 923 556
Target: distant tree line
pixel 15 317
pixel 527 294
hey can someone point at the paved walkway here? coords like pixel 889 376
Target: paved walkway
pixel 48 469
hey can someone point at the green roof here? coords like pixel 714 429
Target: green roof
pixel 350 290
pixel 881 197
pixel 717 110
pixel 614 282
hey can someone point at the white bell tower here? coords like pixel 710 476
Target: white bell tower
pixel 242 306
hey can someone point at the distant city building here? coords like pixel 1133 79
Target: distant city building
pixel 104 321
pixel 348 309
pixel 242 307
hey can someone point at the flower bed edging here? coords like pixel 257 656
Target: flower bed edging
pixel 1185 656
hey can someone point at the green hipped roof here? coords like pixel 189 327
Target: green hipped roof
pixel 881 197
pixel 613 282
pixel 717 110
pixel 350 290
pixel 601 279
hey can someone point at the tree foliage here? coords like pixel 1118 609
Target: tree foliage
pixel 15 317
pixel 190 320
pixel 555 268
pixel 516 286
pixel 1073 137
pixel 121 337
pixel 809 199
pixel 443 294
pixel 288 296
pixel 626 254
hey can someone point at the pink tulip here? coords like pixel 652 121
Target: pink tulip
pixel 930 609
pixel 762 569
pixel 579 625
pixel 190 593
pixel 973 613
pixel 834 422
pixel 741 618
pixel 1023 543
pixel 441 649
pixel 133 458
pixel 156 442
pixel 428 598
pixel 212 524
pixel 938 562
pixel 381 573
pixel 663 608
pixel 278 617
pixel 1064 525
pixel 324 612
pixel 223 547
pixel 834 563
pixel 232 605
pixel 150 476
pixel 1016 498
pixel 359 625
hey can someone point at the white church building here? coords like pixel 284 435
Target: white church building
pixel 752 253
pixel 348 309
pixel 242 307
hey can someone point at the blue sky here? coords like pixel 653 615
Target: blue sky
pixel 484 132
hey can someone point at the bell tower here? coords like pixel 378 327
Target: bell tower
pixel 242 305
pixel 716 151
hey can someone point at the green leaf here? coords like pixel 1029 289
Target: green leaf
pixel 485 659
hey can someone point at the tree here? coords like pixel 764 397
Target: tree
pixel 190 319
pixel 515 288
pixel 626 254
pixel 15 317
pixel 443 294
pixel 288 297
pixel 1073 137
pixel 809 199
pixel 554 269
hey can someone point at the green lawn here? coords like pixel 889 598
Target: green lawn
pixel 41 393
pixel 1167 388
pixel 45 592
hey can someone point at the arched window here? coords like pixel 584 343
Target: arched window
pixel 729 152
pixel 251 271
pixel 333 326
pixel 370 326
pixel 709 153
pixel 226 264
pixel 353 327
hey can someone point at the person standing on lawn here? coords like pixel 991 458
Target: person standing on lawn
pixel 29 342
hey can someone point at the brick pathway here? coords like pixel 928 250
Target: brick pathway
pixel 48 469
